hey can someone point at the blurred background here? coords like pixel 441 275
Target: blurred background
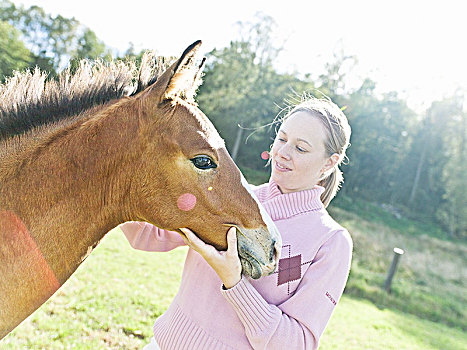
pixel 396 68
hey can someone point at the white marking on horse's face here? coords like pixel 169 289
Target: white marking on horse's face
pixel 275 234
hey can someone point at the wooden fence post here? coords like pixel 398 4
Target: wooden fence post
pixel 392 269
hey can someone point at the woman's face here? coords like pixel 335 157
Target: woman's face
pixel 298 153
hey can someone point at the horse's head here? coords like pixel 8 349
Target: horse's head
pixel 187 178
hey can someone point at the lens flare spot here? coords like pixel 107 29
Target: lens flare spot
pixel 186 201
pixel 22 259
pixel 265 155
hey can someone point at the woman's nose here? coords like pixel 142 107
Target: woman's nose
pixel 283 152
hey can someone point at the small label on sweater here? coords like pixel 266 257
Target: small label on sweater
pixel 331 298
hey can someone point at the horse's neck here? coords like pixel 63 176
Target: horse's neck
pixel 71 192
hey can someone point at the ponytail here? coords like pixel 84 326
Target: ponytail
pixel 331 184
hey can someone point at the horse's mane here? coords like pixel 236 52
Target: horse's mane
pixel 29 99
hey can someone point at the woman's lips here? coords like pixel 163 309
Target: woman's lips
pixel 281 167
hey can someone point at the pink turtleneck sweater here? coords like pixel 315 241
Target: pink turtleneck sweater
pixel 286 310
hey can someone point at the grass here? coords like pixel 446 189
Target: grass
pixel 113 299
pixel 110 302
pixel 431 278
pixel 358 325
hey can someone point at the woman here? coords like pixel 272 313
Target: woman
pixel 218 308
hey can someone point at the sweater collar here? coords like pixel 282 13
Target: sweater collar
pixel 284 205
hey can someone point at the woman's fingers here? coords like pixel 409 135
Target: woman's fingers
pixel 207 250
pixel 185 238
pixel 192 238
pixel 232 241
pixel 225 263
pixel 194 242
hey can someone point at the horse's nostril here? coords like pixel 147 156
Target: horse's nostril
pixel 273 251
pixel 277 251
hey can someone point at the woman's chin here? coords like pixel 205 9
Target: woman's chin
pixel 280 178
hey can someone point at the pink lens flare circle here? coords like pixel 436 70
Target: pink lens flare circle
pixel 186 201
pixel 265 155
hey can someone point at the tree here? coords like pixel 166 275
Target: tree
pixel 453 209
pixel 333 81
pixel 89 46
pixel 243 89
pixel 53 41
pixel 13 54
pixel 428 155
pixel 381 129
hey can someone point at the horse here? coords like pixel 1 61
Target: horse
pixel 104 144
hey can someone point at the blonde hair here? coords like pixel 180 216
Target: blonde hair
pixel 337 141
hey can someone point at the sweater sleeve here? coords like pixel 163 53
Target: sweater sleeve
pixel 299 322
pixel 147 237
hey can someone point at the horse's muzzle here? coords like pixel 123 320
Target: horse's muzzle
pixel 259 251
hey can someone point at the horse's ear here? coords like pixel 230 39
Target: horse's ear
pixel 183 78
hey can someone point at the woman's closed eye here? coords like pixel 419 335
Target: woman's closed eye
pixel 299 148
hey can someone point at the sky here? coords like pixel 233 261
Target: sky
pixel 417 48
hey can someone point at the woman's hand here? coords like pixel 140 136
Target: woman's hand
pixel 225 263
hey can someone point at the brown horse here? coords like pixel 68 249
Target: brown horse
pixel 83 163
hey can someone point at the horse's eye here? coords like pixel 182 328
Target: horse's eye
pixel 203 162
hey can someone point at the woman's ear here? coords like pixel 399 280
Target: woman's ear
pixel 331 162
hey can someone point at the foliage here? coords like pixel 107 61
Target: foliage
pixel 53 41
pixel 379 143
pixel 243 93
pixel 13 54
pixel 333 81
pixel 453 210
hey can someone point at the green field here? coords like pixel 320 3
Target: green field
pixel 113 299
